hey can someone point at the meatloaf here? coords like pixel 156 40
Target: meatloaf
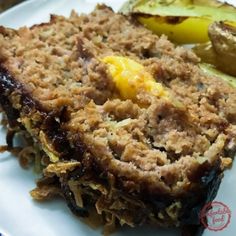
pixel 150 160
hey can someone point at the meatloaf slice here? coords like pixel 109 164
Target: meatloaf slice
pixel 137 162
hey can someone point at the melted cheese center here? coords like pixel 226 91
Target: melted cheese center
pixel 131 78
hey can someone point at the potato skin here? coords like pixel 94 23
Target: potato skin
pixel 183 21
pixel 223 39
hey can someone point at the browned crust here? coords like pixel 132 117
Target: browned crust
pixel 209 178
pixel 134 183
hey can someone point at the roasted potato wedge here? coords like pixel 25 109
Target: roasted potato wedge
pixel 206 52
pixel 183 21
pixel 223 39
pixel 221 50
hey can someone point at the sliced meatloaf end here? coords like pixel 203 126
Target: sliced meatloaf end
pixel 135 164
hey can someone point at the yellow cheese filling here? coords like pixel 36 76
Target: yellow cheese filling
pixel 131 78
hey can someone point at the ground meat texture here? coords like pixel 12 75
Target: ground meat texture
pixel 135 164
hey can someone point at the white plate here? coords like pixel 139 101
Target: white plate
pixel 19 214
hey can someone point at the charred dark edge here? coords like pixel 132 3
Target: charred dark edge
pixel 71 203
pixel 8 85
pixel 196 200
pixel 49 125
pixel 191 224
pixel 208 182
